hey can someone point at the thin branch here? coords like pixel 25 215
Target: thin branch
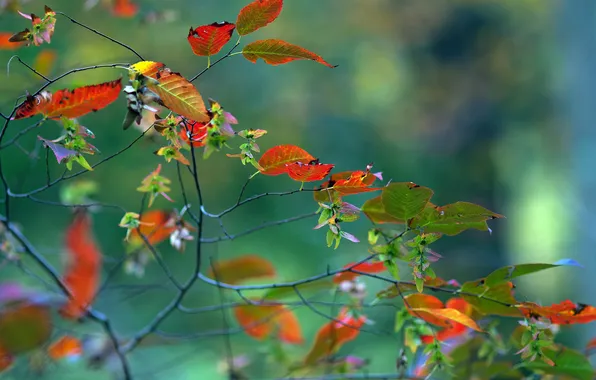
pixel 103 35
pixel 228 54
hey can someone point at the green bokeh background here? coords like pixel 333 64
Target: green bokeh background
pixel 473 99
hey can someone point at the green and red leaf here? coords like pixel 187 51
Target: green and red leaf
pixel 257 14
pixel 275 160
pixel 243 268
pixel 176 92
pixel 277 52
pixel 207 40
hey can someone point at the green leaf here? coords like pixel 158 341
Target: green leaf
pixel 375 211
pixel 512 271
pixel 567 362
pixel 393 290
pixel 490 300
pixel 454 218
pixel 288 292
pixel 405 200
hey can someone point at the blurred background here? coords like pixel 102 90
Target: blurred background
pixel 487 101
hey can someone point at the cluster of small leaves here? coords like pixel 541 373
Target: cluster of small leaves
pixel 42 29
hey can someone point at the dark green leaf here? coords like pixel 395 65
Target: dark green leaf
pixel 512 271
pixel 567 362
pixel 405 200
pixel 454 218
pixel 490 300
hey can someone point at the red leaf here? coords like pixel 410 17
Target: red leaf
pixel 333 335
pixel 6 360
pixel 83 271
pixel 156 225
pixel 563 313
pixel 455 329
pixel 65 347
pixel 274 161
pixel 259 322
pixel 242 268
pixel 375 267
pixel 257 14
pixel 277 52
pixel 71 103
pixel 312 171
pixel 208 40
pixel 125 8
pixel 5 44
pixel 197 132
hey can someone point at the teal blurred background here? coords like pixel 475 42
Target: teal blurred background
pixel 488 101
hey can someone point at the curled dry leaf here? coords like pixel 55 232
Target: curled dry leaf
pixel 258 14
pixel 83 270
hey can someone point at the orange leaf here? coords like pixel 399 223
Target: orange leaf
pixel 156 225
pixel 242 268
pixel 333 335
pixel 176 93
pixel 83 271
pixel 44 62
pixel 563 313
pixel 274 161
pixel 445 316
pixel 259 322
pixel 197 131
pixel 312 171
pixel 375 267
pixel 425 301
pixel 209 39
pixel 71 103
pixel 258 14
pixel 289 330
pixel 277 52
pixel 125 8
pixel 5 44
pixel 65 347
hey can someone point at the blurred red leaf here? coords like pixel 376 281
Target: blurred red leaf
pixel 44 62
pixel 564 313
pixel 197 131
pixel 83 270
pixel 455 329
pixel 5 44
pixel 125 8
pixel 374 267
pixel 71 103
pixel 209 39
pixel 277 52
pixel 65 347
pixel 260 321
pixel 6 360
pixel 312 171
pixel 156 226
pixel 258 14
pixel 234 271
pixel 275 160
pixel 333 335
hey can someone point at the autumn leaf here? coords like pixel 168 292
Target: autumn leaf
pixel 275 160
pixel 70 103
pixel 6 44
pixel 44 62
pixel 124 8
pixel 277 52
pixel 176 93
pixel 260 321
pixel 237 270
pixel 564 313
pixel 257 14
pixel 367 267
pixel 333 335
pixel 155 225
pixel 209 39
pixel 455 329
pixel 24 326
pixel 312 171
pixel 66 347
pixel 83 270
pixel 193 132
pixel 405 200
pixel 6 360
